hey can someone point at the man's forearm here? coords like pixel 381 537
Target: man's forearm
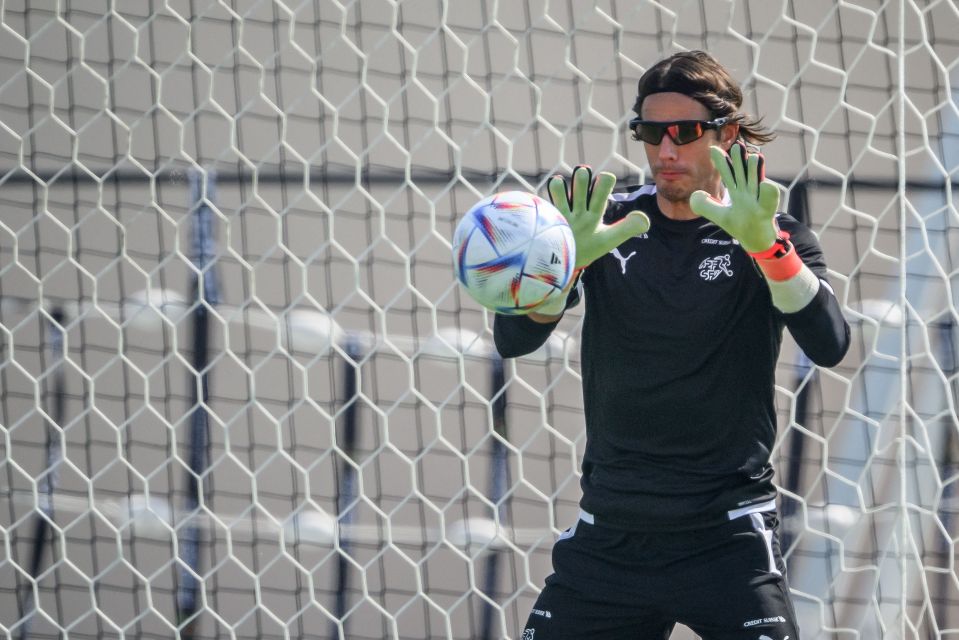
pixel 819 328
pixel 792 294
pixel 516 336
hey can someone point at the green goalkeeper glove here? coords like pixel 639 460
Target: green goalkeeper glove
pixel 583 205
pixel 750 217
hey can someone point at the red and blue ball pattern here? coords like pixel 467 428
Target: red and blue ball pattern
pixel 513 251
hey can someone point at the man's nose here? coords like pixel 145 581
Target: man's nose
pixel 667 148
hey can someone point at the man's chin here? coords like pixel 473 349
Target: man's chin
pixel 672 193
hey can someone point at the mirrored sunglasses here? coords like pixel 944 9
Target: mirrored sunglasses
pixel 679 131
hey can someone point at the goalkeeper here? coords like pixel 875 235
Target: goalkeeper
pixel 688 283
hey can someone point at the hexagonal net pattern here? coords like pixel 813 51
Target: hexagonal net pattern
pixel 241 395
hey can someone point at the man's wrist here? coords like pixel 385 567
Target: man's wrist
pixel 542 318
pixel 780 262
pixel 552 310
pixel 778 249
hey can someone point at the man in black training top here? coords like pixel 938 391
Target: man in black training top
pixel 688 284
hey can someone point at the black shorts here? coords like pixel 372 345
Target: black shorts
pixel 726 582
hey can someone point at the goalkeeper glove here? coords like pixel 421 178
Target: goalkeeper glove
pixel 555 306
pixel 750 216
pixel 583 205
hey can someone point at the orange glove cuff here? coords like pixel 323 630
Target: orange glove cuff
pixel 782 268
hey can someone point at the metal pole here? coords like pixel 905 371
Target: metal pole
pixel 202 193
pixel 498 482
pixel 346 488
pixel 47 482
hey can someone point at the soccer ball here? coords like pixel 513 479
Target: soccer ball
pixel 513 251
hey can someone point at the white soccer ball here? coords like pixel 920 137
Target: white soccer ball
pixel 513 251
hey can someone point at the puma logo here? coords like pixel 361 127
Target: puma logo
pixel 622 260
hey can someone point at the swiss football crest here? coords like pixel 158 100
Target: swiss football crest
pixel 712 268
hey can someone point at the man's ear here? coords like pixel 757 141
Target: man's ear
pixel 728 135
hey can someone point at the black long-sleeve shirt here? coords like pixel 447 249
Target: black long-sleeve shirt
pixel 679 347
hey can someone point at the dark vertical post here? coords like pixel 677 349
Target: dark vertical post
pixel 346 487
pixel 949 466
pixel 47 483
pixel 202 193
pixel 498 482
pixel 792 474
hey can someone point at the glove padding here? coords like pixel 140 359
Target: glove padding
pixel 750 217
pixel 583 205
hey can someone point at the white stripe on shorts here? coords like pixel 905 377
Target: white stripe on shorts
pixel 760 525
pixel 761 507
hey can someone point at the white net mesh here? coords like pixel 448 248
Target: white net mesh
pixel 360 467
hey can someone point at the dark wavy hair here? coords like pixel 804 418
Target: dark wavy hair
pixel 700 76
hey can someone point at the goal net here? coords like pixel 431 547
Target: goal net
pixel 241 395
